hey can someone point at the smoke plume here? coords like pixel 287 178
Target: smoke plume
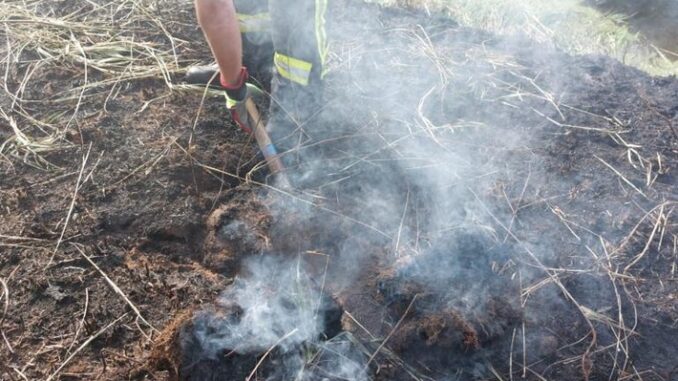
pixel 412 178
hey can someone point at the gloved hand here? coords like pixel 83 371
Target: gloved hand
pixel 236 100
pixel 236 94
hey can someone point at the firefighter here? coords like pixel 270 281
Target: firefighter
pixel 288 35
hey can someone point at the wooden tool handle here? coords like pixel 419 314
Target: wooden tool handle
pixel 264 141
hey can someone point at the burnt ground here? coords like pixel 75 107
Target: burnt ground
pixel 541 244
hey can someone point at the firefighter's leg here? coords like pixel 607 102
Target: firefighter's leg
pixel 257 47
pixel 298 33
pixel 255 27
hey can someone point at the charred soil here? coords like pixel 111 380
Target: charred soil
pixel 553 258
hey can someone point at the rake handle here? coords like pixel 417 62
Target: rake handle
pixel 266 146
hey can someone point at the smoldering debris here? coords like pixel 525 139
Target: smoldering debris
pixel 275 307
pixel 433 170
pixel 420 112
pixel 235 230
pixel 453 305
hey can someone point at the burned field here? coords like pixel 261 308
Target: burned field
pixel 465 206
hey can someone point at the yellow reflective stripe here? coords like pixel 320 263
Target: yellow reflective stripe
pixel 321 37
pixel 294 69
pixel 260 22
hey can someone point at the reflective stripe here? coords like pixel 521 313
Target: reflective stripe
pixel 294 69
pixel 260 22
pixel 230 103
pixel 320 36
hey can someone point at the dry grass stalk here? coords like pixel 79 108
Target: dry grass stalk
pixel 393 331
pixel 117 290
pixel 76 190
pixel 83 346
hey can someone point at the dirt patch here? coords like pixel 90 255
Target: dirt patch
pixel 236 230
pixel 228 341
pixel 455 322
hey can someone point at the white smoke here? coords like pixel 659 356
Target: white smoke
pixel 277 309
pixel 276 306
pixel 422 128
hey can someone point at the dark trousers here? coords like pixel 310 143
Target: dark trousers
pixel 291 32
pixel 295 45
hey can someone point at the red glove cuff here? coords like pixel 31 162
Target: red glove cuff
pixel 236 118
pixel 242 78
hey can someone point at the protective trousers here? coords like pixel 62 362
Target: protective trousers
pixel 294 31
pixel 255 27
